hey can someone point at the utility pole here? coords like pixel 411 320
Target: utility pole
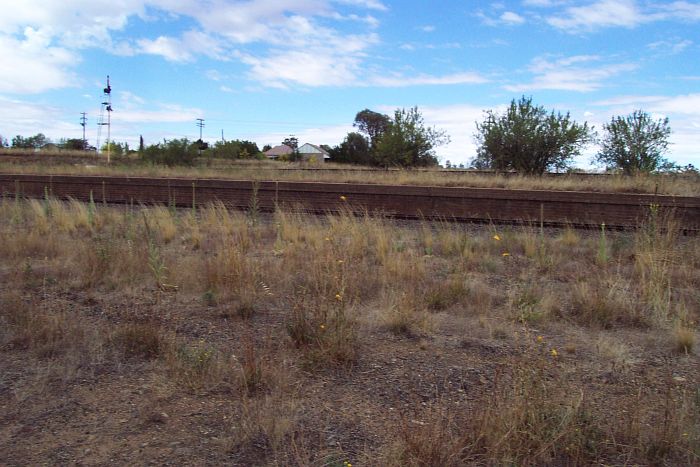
pixel 200 124
pixel 200 143
pixel 83 121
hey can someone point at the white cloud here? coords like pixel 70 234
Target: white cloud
pixel 129 99
pixel 29 118
pixel 604 13
pixel 163 114
pixel 32 65
pixel 670 46
pixel 687 104
pixel 542 3
pixel 459 122
pixel 369 20
pixel 622 13
pixel 324 67
pixel 184 49
pixel 371 4
pixel 331 135
pixel 510 17
pixel 404 81
pixel 289 26
pixel 570 74
pixel 167 47
pixel 427 28
pixel 683 112
pixel 682 10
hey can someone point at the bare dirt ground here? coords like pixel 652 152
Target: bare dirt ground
pixel 101 363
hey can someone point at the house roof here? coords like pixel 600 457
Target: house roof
pixel 280 150
pixel 309 148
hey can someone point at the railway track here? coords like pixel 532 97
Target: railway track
pixel 551 208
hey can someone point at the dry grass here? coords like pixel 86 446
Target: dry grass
pixel 292 339
pixel 79 164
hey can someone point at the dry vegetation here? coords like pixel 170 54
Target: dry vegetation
pixel 81 164
pixel 148 335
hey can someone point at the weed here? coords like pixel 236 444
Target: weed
pixel 602 256
pixel 156 263
pixel 252 369
pixel 400 315
pixel 254 206
pixel 210 298
pixel 684 340
pixel 140 341
pixel 445 294
pixel 323 329
pixel 605 302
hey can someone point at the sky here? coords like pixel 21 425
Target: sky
pixel 262 70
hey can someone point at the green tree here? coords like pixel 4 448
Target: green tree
pixel 173 152
pixel 527 139
pixel 33 142
pixel 73 144
pixel 353 150
pixel 635 143
pixel 235 149
pixel 373 124
pixel 115 149
pixel 292 141
pixel 407 142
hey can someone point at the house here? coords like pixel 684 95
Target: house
pixel 277 151
pixel 49 147
pixel 311 152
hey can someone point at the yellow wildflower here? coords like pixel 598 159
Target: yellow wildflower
pixel 540 339
pixel 343 198
pixel 328 239
pixel 497 238
pixel 554 353
pixel 505 253
pixel 340 261
pixel 323 326
pixel 338 297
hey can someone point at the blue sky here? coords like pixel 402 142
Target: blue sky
pixel 264 69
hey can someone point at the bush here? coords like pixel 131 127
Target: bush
pixel 173 152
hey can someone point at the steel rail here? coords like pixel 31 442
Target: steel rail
pixel 549 208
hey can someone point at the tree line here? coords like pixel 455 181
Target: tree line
pixel 528 139
pixel 399 141
pixel 179 151
pixel 525 138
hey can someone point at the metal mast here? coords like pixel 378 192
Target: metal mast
pixel 106 107
pixel 83 121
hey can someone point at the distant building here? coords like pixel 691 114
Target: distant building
pixel 49 147
pixel 277 151
pixel 311 152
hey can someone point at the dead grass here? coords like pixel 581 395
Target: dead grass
pixel 269 170
pixel 345 339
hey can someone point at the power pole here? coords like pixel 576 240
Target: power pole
pixel 200 124
pixel 200 143
pixel 83 121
